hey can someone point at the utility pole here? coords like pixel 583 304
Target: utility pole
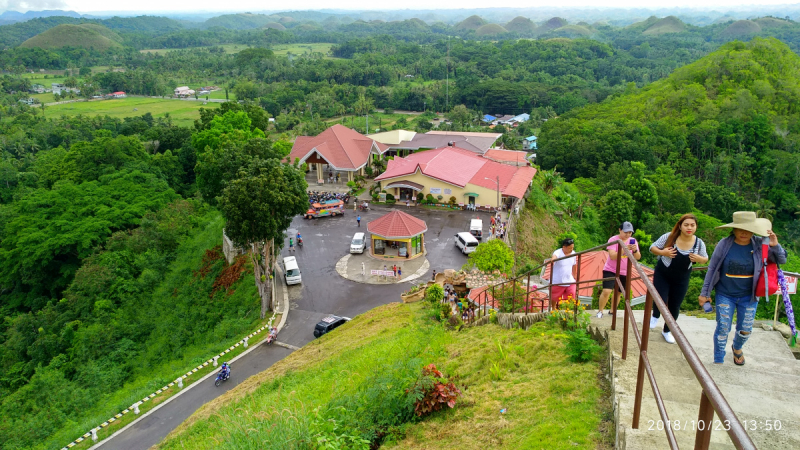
pixel 447 77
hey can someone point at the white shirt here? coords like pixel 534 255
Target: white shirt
pixel 562 270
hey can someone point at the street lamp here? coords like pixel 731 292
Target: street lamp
pixel 498 189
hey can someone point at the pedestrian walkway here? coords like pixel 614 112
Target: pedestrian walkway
pixel 765 392
pixel 359 267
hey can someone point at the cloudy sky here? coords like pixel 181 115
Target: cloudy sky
pixel 89 6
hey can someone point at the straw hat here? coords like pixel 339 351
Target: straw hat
pixel 747 220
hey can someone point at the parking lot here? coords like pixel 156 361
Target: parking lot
pixel 327 239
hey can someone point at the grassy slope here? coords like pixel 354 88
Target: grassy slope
pixel 183 113
pixel 550 402
pixel 178 281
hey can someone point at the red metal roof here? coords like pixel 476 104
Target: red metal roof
pixel 397 224
pixel 535 300
pixel 509 156
pixel 341 147
pixel 592 269
pixel 458 167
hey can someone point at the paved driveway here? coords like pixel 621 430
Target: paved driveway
pixel 327 239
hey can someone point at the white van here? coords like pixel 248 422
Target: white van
pixel 476 228
pixel 291 271
pixel 466 242
pixel 358 243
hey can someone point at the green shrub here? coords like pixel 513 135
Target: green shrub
pixel 420 196
pixel 580 346
pixel 434 293
pixel 452 201
pixel 390 197
pixel 429 199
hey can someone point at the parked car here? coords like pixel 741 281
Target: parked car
pixel 476 228
pixel 358 243
pixel 329 324
pixel 466 242
pixel 291 271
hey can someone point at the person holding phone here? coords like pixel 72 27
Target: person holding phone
pixel 677 251
pixel 610 268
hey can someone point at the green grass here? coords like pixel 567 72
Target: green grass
pixel 183 113
pixel 229 49
pixel 549 401
pixel 89 36
pixel 47 97
pixel 301 49
pixel 382 120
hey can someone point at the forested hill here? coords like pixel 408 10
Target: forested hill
pixel 726 124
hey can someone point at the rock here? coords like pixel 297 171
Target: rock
pixel 784 330
pixel 766 327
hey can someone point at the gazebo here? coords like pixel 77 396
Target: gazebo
pixel 397 235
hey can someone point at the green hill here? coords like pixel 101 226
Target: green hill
pixel 572 31
pixel 242 21
pixel 521 25
pixel 470 23
pixel 740 29
pixel 89 36
pixel 359 376
pixel 718 122
pixel 490 29
pixel 772 22
pixel 669 24
pixel 552 24
pixel 274 26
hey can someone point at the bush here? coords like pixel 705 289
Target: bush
pixel 433 391
pixel 420 196
pixel 580 347
pixel 434 293
pixel 390 197
pixel 429 199
pixel 452 201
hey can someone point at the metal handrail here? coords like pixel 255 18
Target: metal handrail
pixel 711 401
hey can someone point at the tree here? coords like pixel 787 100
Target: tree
pixel 616 207
pixel 492 255
pixel 461 116
pixel 641 190
pixel 258 207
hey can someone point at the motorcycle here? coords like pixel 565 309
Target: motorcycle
pixel 363 207
pixel 299 242
pixel 221 378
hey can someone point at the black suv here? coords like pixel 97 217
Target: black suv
pixel 328 324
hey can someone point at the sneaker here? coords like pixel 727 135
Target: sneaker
pixel 668 337
pixel 599 314
pixel 653 322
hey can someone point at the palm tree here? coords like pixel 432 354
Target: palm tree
pixel 765 209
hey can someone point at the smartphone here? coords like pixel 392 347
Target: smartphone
pixel 632 241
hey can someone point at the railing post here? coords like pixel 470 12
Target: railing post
pixel 513 296
pixel 615 294
pixel 550 287
pixel 637 400
pixel 494 298
pixel 527 294
pixel 705 417
pixel 627 308
pixel 578 279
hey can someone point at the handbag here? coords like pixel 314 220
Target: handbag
pixel 772 274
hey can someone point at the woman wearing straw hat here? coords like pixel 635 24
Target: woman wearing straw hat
pixel 733 272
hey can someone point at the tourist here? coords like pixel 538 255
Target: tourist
pixel 733 273
pixel 291 245
pixel 434 275
pixel 563 272
pixel 677 251
pixel 609 269
pixel 358 220
pixel 394 269
pixel 399 272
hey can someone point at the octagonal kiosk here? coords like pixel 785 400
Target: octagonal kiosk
pixel 397 235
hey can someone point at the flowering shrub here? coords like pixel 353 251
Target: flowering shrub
pixel 433 391
pixel 570 315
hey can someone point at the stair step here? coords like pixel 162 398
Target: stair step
pixel 787 437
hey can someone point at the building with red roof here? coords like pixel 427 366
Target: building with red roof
pixel 397 235
pixel 452 172
pixel 341 148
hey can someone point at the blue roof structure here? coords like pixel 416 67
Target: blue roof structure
pixel 488 118
pixel 530 138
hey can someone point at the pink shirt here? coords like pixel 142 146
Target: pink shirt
pixel 611 263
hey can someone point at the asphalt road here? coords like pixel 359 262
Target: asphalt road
pixel 323 292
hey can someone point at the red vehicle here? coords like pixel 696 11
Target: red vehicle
pixel 324 209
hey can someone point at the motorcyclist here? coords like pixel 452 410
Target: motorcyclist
pixel 299 239
pixel 226 371
pixel 273 334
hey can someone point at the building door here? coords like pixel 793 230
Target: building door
pixel 471 200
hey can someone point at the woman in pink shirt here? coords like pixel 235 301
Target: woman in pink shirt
pixel 610 269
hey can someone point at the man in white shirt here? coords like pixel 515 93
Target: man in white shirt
pixel 563 272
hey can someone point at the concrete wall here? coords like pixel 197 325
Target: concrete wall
pixel 486 197
pixel 229 250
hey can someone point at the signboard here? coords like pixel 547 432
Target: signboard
pixel 382 197
pixel 436 190
pixel 386 273
pixel 448 192
pixel 792 282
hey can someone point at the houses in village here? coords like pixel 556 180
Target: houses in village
pixel 506 120
pixel 184 92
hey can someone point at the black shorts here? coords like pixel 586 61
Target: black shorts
pixel 609 284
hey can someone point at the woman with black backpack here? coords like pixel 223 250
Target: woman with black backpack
pixel 677 251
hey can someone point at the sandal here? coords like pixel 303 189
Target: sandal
pixel 739 357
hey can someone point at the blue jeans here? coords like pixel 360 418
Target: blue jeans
pixel 745 308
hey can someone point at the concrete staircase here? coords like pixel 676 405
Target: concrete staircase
pixel 766 388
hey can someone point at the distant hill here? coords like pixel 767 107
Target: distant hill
pixel 243 21
pixel 572 31
pixel 14 16
pixel 521 25
pixel 490 29
pixel 89 36
pixel 274 26
pixel 772 22
pixel 142 24
pixel 552 24
pixel 470 23
pixel 669 24
pixel 740 29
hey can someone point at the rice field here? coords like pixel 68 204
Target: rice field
pixel 182 112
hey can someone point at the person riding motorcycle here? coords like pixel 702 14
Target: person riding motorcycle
pixel 273 334
pixel 299 240
pixel 225 371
